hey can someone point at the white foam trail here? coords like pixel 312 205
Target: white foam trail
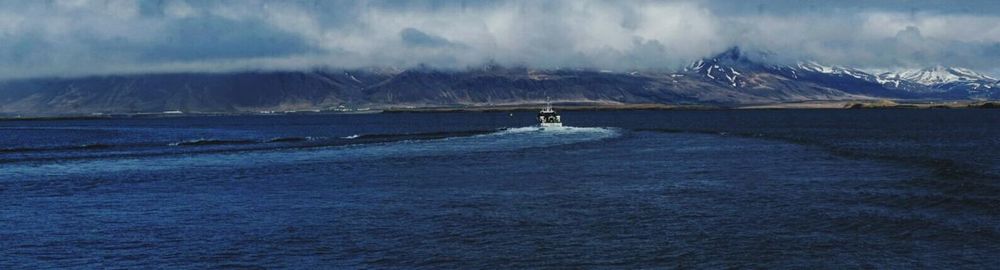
pixel 527 137
pixel 355 136
pixel 555 130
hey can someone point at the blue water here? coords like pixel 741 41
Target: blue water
pixel 631 189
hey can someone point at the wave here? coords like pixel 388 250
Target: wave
pixel 502 139
pixel 95 146
pixel 197 142
pixel 415 136
pixel 323 141
pixel 363 146
pixel 293 139
pixel 194 146
pixel 313 141
pixel 55 148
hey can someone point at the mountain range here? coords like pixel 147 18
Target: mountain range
pixel 729 78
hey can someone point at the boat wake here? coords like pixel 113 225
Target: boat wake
pixel 355 147
pixel 530 137
pixel 508 139
pixel 558 130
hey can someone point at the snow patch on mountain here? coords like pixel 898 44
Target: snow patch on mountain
pixel 724 68
pixel 937 75
pixel 815 67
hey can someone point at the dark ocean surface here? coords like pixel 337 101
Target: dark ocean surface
pixel 627 189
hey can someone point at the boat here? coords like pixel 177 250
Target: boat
pixel 549 117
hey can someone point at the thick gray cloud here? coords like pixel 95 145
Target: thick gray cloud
pixel 416 38
pixel 87 37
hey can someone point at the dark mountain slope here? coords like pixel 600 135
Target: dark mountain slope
pixel 189 92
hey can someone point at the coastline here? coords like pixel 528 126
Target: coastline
pixel 804 105
pixel 823 105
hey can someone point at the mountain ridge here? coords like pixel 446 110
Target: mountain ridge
pixel 731 77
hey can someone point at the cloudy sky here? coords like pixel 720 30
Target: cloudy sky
pixel 91 37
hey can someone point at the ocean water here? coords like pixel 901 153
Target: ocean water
pixel 616 189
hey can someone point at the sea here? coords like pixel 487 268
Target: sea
pixel 892 188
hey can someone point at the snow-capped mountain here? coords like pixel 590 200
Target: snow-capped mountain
pixel 735 69
pixel 936 75
pixel 728 68
pixel 751 72
pixel 951 81
pixel 813 66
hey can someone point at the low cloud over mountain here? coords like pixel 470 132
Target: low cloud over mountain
pixel 70 38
